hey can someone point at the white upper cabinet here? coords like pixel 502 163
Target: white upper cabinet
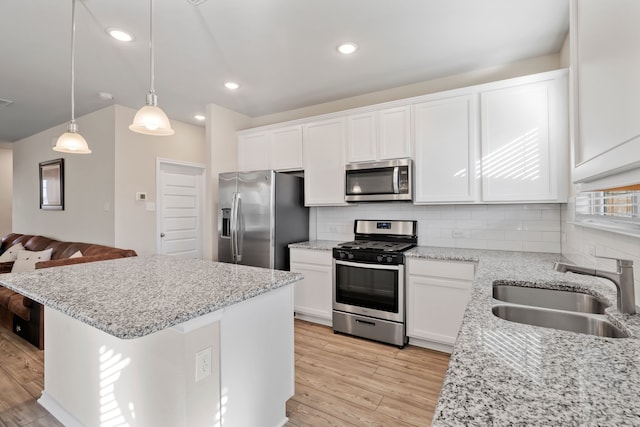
pixel 278 149
pixel 286 148
pixel 605 38
pixel 362 137
pixel 395 133
pixel 525 142
pixel 254 152
pixel 445 135
pixel 379 135
pixel 323 152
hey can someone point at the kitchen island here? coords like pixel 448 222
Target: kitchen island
pixel 165 342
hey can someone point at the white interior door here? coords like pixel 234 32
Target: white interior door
pixel 180 209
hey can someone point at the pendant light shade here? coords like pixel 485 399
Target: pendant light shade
pixel 150 119
pixel 71 141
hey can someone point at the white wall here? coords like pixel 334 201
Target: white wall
pixel 135 170
pixel 6 188
pixel 100 187
pixel 222 146
pixel 88 183
pixel 486 75
pixel 530 227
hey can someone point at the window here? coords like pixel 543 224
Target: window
pixel 618 210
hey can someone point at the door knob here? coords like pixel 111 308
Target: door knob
pixel 161 234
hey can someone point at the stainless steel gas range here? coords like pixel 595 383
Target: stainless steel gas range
pixel 369 281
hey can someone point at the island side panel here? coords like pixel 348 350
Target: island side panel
pixel 257 360
pixel 92 378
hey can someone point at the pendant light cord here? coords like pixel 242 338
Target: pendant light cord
pixel 151 59
pixel 73 47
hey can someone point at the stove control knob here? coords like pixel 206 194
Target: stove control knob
pixel 350 256
pixel 379 258
pixel 343 255
pixel 389 259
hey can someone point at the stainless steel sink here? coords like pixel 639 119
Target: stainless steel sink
pixel 549 298
pixel 593 324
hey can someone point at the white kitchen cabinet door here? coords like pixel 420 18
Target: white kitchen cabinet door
pixel 313 295
pixel 286 148
pixel 445 133
pixel 395 133
pixel 437 296
pixel 605 49
pixel 323 153
pixel 362 138
pixel 521 143
pixel 254 152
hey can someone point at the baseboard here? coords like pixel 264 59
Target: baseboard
pixel 54 408
pixel 432 345
pixel 284 422
pixel 313 319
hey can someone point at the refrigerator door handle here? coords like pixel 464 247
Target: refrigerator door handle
pixel 239 227
pixel 234 226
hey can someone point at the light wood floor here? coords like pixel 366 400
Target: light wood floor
pixel 347 381
pixel 340 381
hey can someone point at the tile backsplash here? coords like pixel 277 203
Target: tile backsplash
pixel 516 227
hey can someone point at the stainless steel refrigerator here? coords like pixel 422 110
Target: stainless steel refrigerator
pixel 260 214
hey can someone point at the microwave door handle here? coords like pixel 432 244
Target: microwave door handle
pixel 396 184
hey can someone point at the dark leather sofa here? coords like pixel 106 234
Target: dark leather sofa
pixel 24 316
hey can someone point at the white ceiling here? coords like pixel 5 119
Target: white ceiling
pixel 281 52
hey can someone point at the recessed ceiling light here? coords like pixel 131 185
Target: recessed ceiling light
pixel 119 34
pixel 199 117
pixel 347 48
pixel 231 85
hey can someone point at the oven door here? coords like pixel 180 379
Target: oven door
pixel 373 290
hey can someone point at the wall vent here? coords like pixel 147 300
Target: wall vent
pixel 4 102
pixel 196 2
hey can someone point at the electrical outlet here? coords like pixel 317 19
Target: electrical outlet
pixel 457 234
pixel 203 364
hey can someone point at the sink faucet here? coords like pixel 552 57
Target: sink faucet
pixel 622 278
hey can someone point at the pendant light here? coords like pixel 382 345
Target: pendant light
pixel 71 141
pixel 150 119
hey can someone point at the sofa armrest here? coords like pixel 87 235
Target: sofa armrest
pixel 71 261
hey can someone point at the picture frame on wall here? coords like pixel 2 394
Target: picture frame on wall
pixel 52 185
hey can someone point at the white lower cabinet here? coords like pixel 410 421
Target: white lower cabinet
pixel 437 296
pixel 312 296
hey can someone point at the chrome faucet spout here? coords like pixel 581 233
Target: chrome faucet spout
pixel 622 278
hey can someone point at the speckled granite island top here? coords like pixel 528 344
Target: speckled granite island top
pixel 133 297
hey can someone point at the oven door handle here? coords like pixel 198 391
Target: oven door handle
pixel 370 266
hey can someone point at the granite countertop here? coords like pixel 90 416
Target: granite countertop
pixel 504 373
pixel 316 245
pixel 136 296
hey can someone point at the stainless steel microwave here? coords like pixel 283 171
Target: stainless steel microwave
pixel 389 180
